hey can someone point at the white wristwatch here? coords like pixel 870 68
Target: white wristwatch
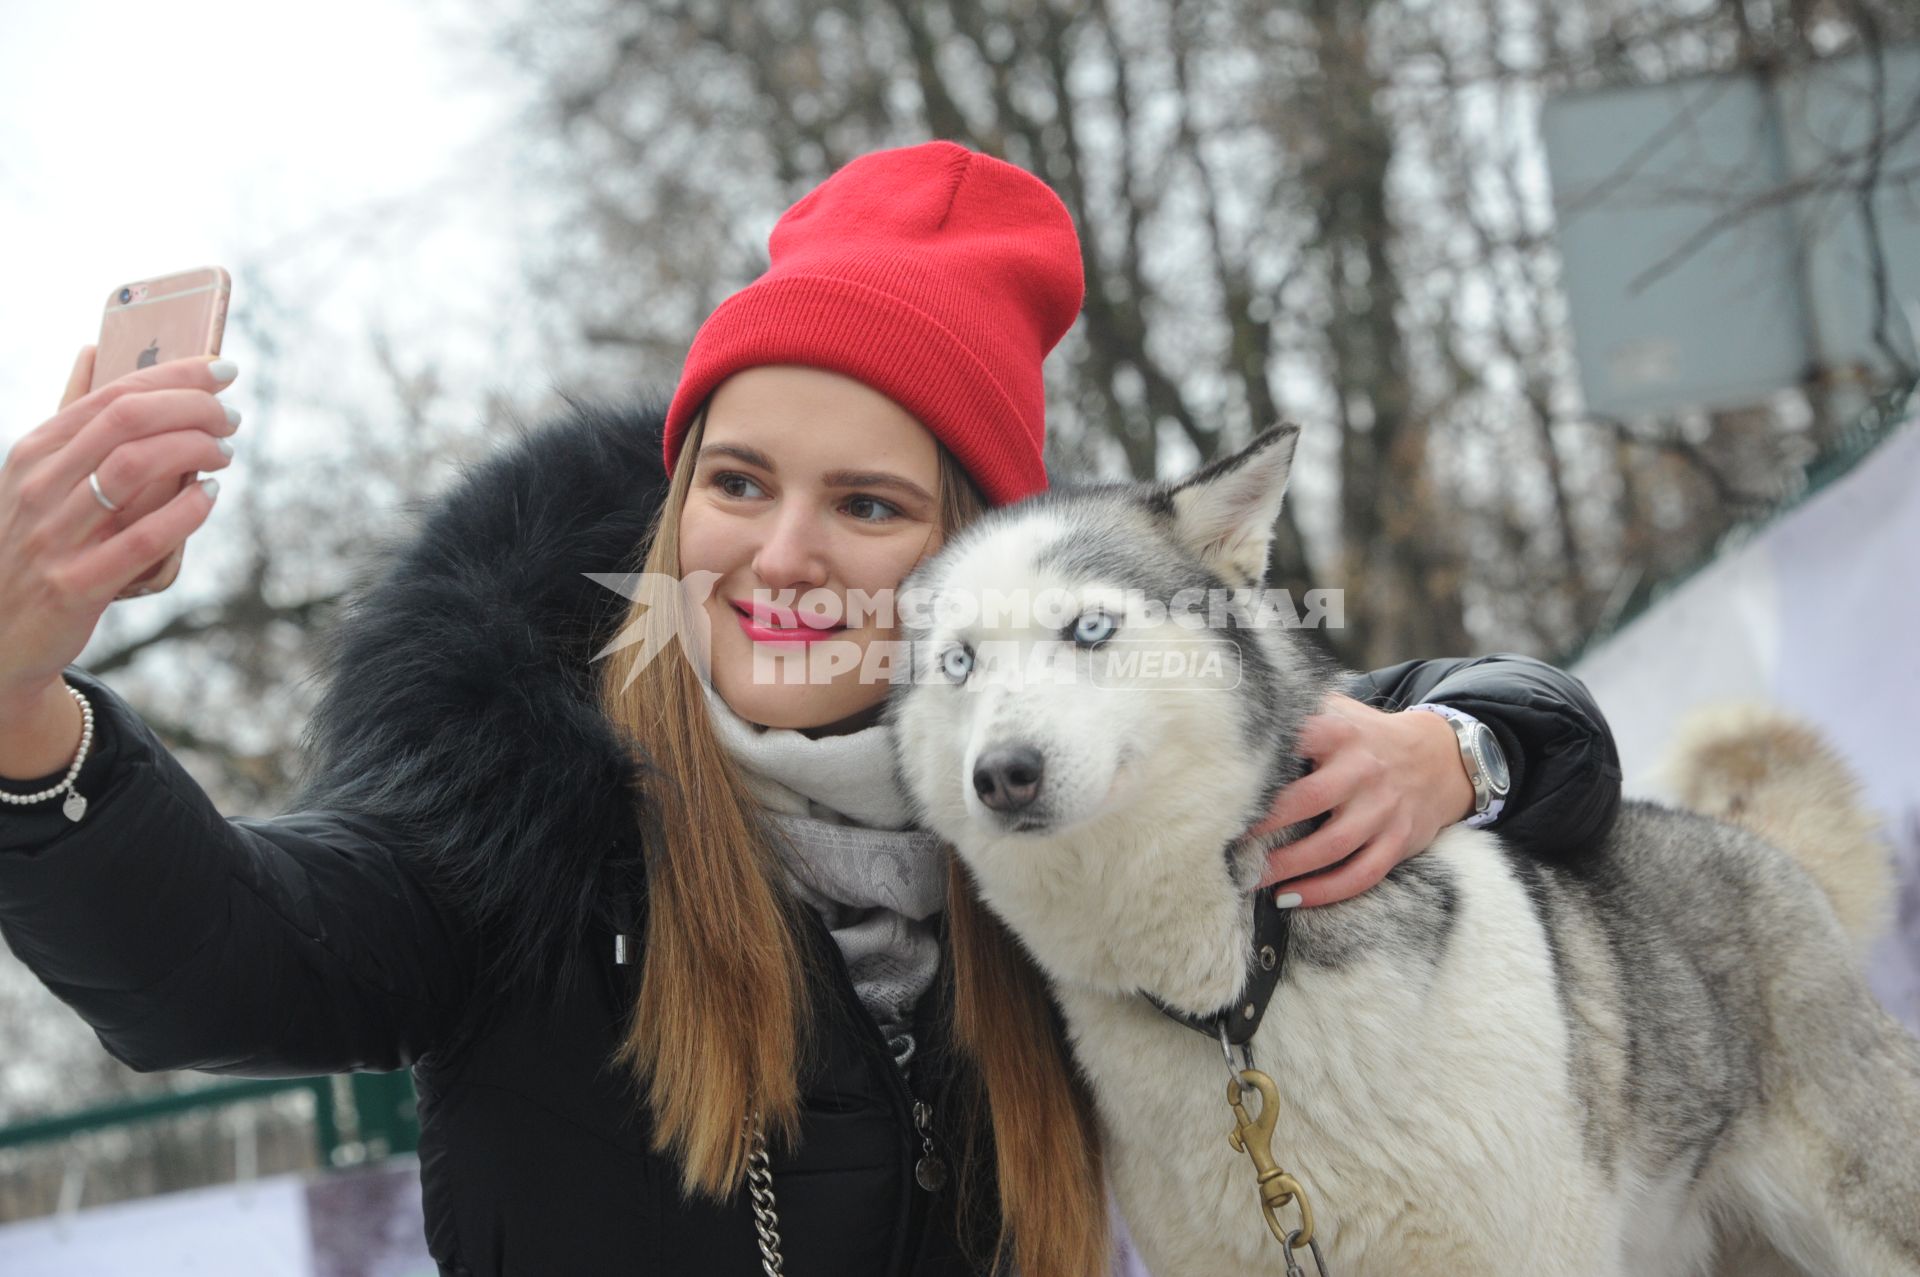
pixel 1486 762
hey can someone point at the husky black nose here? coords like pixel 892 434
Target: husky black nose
pixel 1009 779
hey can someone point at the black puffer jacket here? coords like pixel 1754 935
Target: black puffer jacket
pixel 445 892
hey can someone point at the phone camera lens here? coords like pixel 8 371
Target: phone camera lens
pixel 126 295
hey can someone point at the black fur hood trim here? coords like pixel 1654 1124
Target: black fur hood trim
pixel 459 704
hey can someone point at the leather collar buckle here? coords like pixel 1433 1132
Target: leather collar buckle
pixel 1236 1024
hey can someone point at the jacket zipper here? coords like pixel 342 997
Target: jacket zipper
pixel 929 1171
pixel 912 1110
pixel 926 1171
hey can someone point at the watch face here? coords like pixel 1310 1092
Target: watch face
pixel 1492 758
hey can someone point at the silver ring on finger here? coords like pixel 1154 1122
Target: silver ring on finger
pixel 93 481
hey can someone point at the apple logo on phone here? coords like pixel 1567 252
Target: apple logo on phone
pixel 150 356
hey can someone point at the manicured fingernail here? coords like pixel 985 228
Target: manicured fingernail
pixel 226 449
pixel 233 414
pixel 223 371
pixel 1286 900
pixel 211 487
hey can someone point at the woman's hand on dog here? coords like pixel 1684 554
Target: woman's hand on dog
pixel 1391 782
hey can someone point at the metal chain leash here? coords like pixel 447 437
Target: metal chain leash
pixel 1293 1243
pixel 766 1217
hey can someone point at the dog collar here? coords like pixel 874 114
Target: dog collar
pixel 1237 1023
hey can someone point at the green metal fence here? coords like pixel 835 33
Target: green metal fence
pixel 356 1118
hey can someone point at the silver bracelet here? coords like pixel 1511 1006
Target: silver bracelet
pixel 76 806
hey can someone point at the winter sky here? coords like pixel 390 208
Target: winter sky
pixel 350 148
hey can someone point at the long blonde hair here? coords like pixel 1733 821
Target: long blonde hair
pixel 721 931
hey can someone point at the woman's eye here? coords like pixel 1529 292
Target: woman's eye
pixel 957 663
pixel 732 483
pixel 1094 627
pixel 857 504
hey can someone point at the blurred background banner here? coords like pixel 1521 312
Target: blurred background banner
pixel 1707 264
pixel 1569 297
pixel 1815 612
pixel 366 1223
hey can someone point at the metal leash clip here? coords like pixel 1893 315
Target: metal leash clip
pixel 1254 1137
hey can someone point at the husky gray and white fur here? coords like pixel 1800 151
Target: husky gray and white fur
pixel 1656 1060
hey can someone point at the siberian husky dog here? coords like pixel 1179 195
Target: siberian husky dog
pixel 1659 1059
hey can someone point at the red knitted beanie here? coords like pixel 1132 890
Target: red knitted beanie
pixel 938 276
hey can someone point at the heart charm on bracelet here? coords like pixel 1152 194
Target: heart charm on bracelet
pixel 75 806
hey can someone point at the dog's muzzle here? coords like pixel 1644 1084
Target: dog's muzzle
pixel 1008 779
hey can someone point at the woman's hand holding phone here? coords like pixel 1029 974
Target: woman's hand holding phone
pixel 64 556
pixel 154 321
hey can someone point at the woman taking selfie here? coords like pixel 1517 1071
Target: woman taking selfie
pixel 667 959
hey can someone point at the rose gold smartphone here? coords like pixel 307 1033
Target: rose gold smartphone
pixel 149 322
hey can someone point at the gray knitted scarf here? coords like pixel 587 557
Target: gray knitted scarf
pixel 850 854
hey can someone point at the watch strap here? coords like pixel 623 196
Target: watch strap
pixel 1463 725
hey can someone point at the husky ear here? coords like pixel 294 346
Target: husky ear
pixel 1225 512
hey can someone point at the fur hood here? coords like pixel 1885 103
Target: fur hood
pixel 459 703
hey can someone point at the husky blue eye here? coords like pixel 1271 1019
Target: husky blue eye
pixel 956 664
pixel 1094 627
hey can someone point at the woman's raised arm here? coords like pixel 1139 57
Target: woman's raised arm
pixel 275 947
